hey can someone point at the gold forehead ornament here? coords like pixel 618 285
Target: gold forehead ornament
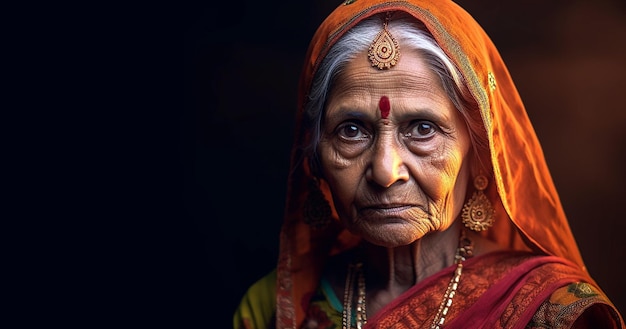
pixel 384 52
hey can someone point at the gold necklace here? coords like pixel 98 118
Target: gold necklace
pixel 355 273
pixel 465 250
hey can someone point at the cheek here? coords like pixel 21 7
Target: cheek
pixel 343 176
pixel 456 186
pixel 343 188
pixel 460 188
pixel 445 180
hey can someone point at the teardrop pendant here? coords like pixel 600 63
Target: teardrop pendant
pixel 384 52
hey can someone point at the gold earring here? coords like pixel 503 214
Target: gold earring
pixel 478 212
pixel 317 212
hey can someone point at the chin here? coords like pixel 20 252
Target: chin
pixel 391 238
pixel 386 244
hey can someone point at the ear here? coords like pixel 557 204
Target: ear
pixel 475 167
pixel 479 165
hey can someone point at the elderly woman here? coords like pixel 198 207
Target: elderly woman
pixel 419 196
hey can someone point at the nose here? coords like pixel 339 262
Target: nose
pixel 387 165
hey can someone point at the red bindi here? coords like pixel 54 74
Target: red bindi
pixel 384 107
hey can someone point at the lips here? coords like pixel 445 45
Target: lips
pixel 386 209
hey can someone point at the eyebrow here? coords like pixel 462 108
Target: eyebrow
pixel 342 114
pixel 407 114
pixel 424 112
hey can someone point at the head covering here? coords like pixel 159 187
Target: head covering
pixel 530 215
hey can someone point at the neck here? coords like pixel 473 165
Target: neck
pixel 392 271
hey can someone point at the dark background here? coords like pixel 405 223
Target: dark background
pixel 233 133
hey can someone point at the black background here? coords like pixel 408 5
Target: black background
pixel 151 150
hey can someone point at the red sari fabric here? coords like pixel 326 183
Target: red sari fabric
pixel 529 213
pixel 498 290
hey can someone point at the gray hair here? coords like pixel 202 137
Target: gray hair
pixel 412 36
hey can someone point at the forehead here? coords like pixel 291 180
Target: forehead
pixel 411 80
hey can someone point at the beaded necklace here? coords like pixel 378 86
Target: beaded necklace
pixel 355 275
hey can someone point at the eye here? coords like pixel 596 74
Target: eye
pixel 422 130
pixel 351 131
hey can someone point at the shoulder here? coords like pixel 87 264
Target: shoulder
pixel 549 291
pixel 576 305
pixel 257 306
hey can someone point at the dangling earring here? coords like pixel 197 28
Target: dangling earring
pixel 317 212
pixel 478 212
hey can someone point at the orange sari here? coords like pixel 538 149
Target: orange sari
pixel 530 215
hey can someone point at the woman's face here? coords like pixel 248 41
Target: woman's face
pixel 394 151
